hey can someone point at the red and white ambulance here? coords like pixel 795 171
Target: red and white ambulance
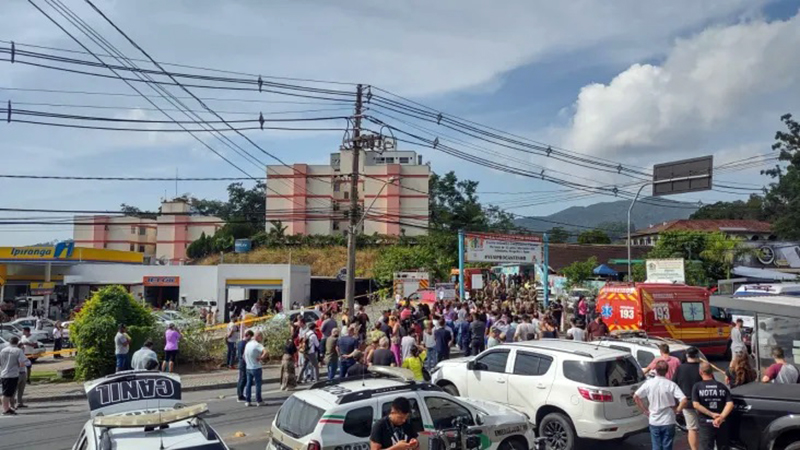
pixel 674 311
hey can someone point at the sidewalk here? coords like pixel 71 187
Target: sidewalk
pixel 216 379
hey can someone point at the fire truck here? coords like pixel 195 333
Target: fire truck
pixel 673 311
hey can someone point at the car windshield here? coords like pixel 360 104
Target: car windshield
pixel 610 373
pixel 297 418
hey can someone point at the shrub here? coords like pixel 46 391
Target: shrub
pixel 96 325
pixel 197 347
pixel 276 333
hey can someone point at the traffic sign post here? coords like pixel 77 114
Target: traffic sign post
pixel 676 177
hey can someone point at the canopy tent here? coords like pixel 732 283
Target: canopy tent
pixel 605 271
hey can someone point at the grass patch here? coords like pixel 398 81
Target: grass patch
pixel 324 261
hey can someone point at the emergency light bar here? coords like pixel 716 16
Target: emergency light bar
pixel 151 419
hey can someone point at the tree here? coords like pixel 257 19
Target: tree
pixel 709 256
pixel 558 235
pixel 782 201
pixel 594 237
pixel 454 206
pixel 579 271
pixel 615 230
pixel 133 211
pixel 752 209
pixel 96 325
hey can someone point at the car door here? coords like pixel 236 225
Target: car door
pixel 419 418
pixel 443 411
pixel 530 381
pixel 488 379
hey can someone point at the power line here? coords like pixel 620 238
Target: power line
pixel 90 178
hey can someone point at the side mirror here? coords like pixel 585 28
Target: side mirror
pixel 471 365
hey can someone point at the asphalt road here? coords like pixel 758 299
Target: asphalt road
pixel 56 426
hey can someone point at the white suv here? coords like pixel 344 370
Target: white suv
pixel 645 349
pixel 569 389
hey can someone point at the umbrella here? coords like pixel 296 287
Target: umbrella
pixel 604 270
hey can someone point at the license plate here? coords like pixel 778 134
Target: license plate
pixel 629 401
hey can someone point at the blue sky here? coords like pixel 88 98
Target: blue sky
pixel 636 82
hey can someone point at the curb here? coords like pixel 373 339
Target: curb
pixel 207 387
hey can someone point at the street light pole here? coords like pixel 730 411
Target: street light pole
pixel 630 208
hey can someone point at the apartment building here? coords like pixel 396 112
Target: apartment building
pixel 313 199
pixel 163 239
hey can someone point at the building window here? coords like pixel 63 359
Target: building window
pixel 105 227
pixel 346 195
pixel 141 249
pixel 404 160
pixel 335 226
pixel 390 160
pixel 133 230
pixel 142 231
pixel 132 247
pixel 336 186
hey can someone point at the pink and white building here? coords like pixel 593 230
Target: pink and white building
pixel 313 199
pixel 164 239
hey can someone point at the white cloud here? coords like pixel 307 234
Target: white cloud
pixel 723 79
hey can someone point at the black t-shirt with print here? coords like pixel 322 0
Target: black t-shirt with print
pixel 387 435
pixel 713 395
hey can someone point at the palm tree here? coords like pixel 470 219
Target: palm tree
pixel 278 231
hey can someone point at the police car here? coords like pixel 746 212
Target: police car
pixel 142 410
pixel 339 414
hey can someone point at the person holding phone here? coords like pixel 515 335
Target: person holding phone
pixel 394 431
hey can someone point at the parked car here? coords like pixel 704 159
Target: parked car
pixel 166 316
pixel 30 322
pixel 766 416
pixel 309 315
pixel 36 335
pixel 570 389
pixel 124 415
pixel 645 348
pixel 340 414
pixel 32 353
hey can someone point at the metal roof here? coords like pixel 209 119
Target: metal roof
pixel 775 305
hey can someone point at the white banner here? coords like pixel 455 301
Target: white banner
pixel 502 248
pixel 665 271
pixel 477 281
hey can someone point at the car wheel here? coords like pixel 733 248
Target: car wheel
pixel 450 389
pixel 794 446
pixel 557 430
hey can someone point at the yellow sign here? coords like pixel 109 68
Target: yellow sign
pixel 67 253
pixel 246 282
pixel 46 285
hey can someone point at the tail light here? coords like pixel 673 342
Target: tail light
pixel 593 395
pixel 314 445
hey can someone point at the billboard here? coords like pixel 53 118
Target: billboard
pixel 446 291
pixel 502 248
pixel 665 271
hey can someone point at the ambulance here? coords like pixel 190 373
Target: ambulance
pixel 671 311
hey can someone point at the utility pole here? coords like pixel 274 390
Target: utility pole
pixel 350 285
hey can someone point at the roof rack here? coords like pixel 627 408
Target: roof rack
pixel 150 420
pixel 411 386
pixel 562 350
pixel 373 372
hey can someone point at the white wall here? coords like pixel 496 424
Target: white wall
pixel 199 282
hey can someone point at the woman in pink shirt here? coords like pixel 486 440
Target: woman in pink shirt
pixel 171 348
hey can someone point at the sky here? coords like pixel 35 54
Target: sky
pixel 629 82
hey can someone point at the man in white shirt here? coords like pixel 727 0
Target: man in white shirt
pixel 12 363
pixel 310 370
pixel 737 340
pixel 231 337
pixel 406 344
pixel 576 332
pixel 665 401
pixel 254 353
pixel 122 345
pixel 145 358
